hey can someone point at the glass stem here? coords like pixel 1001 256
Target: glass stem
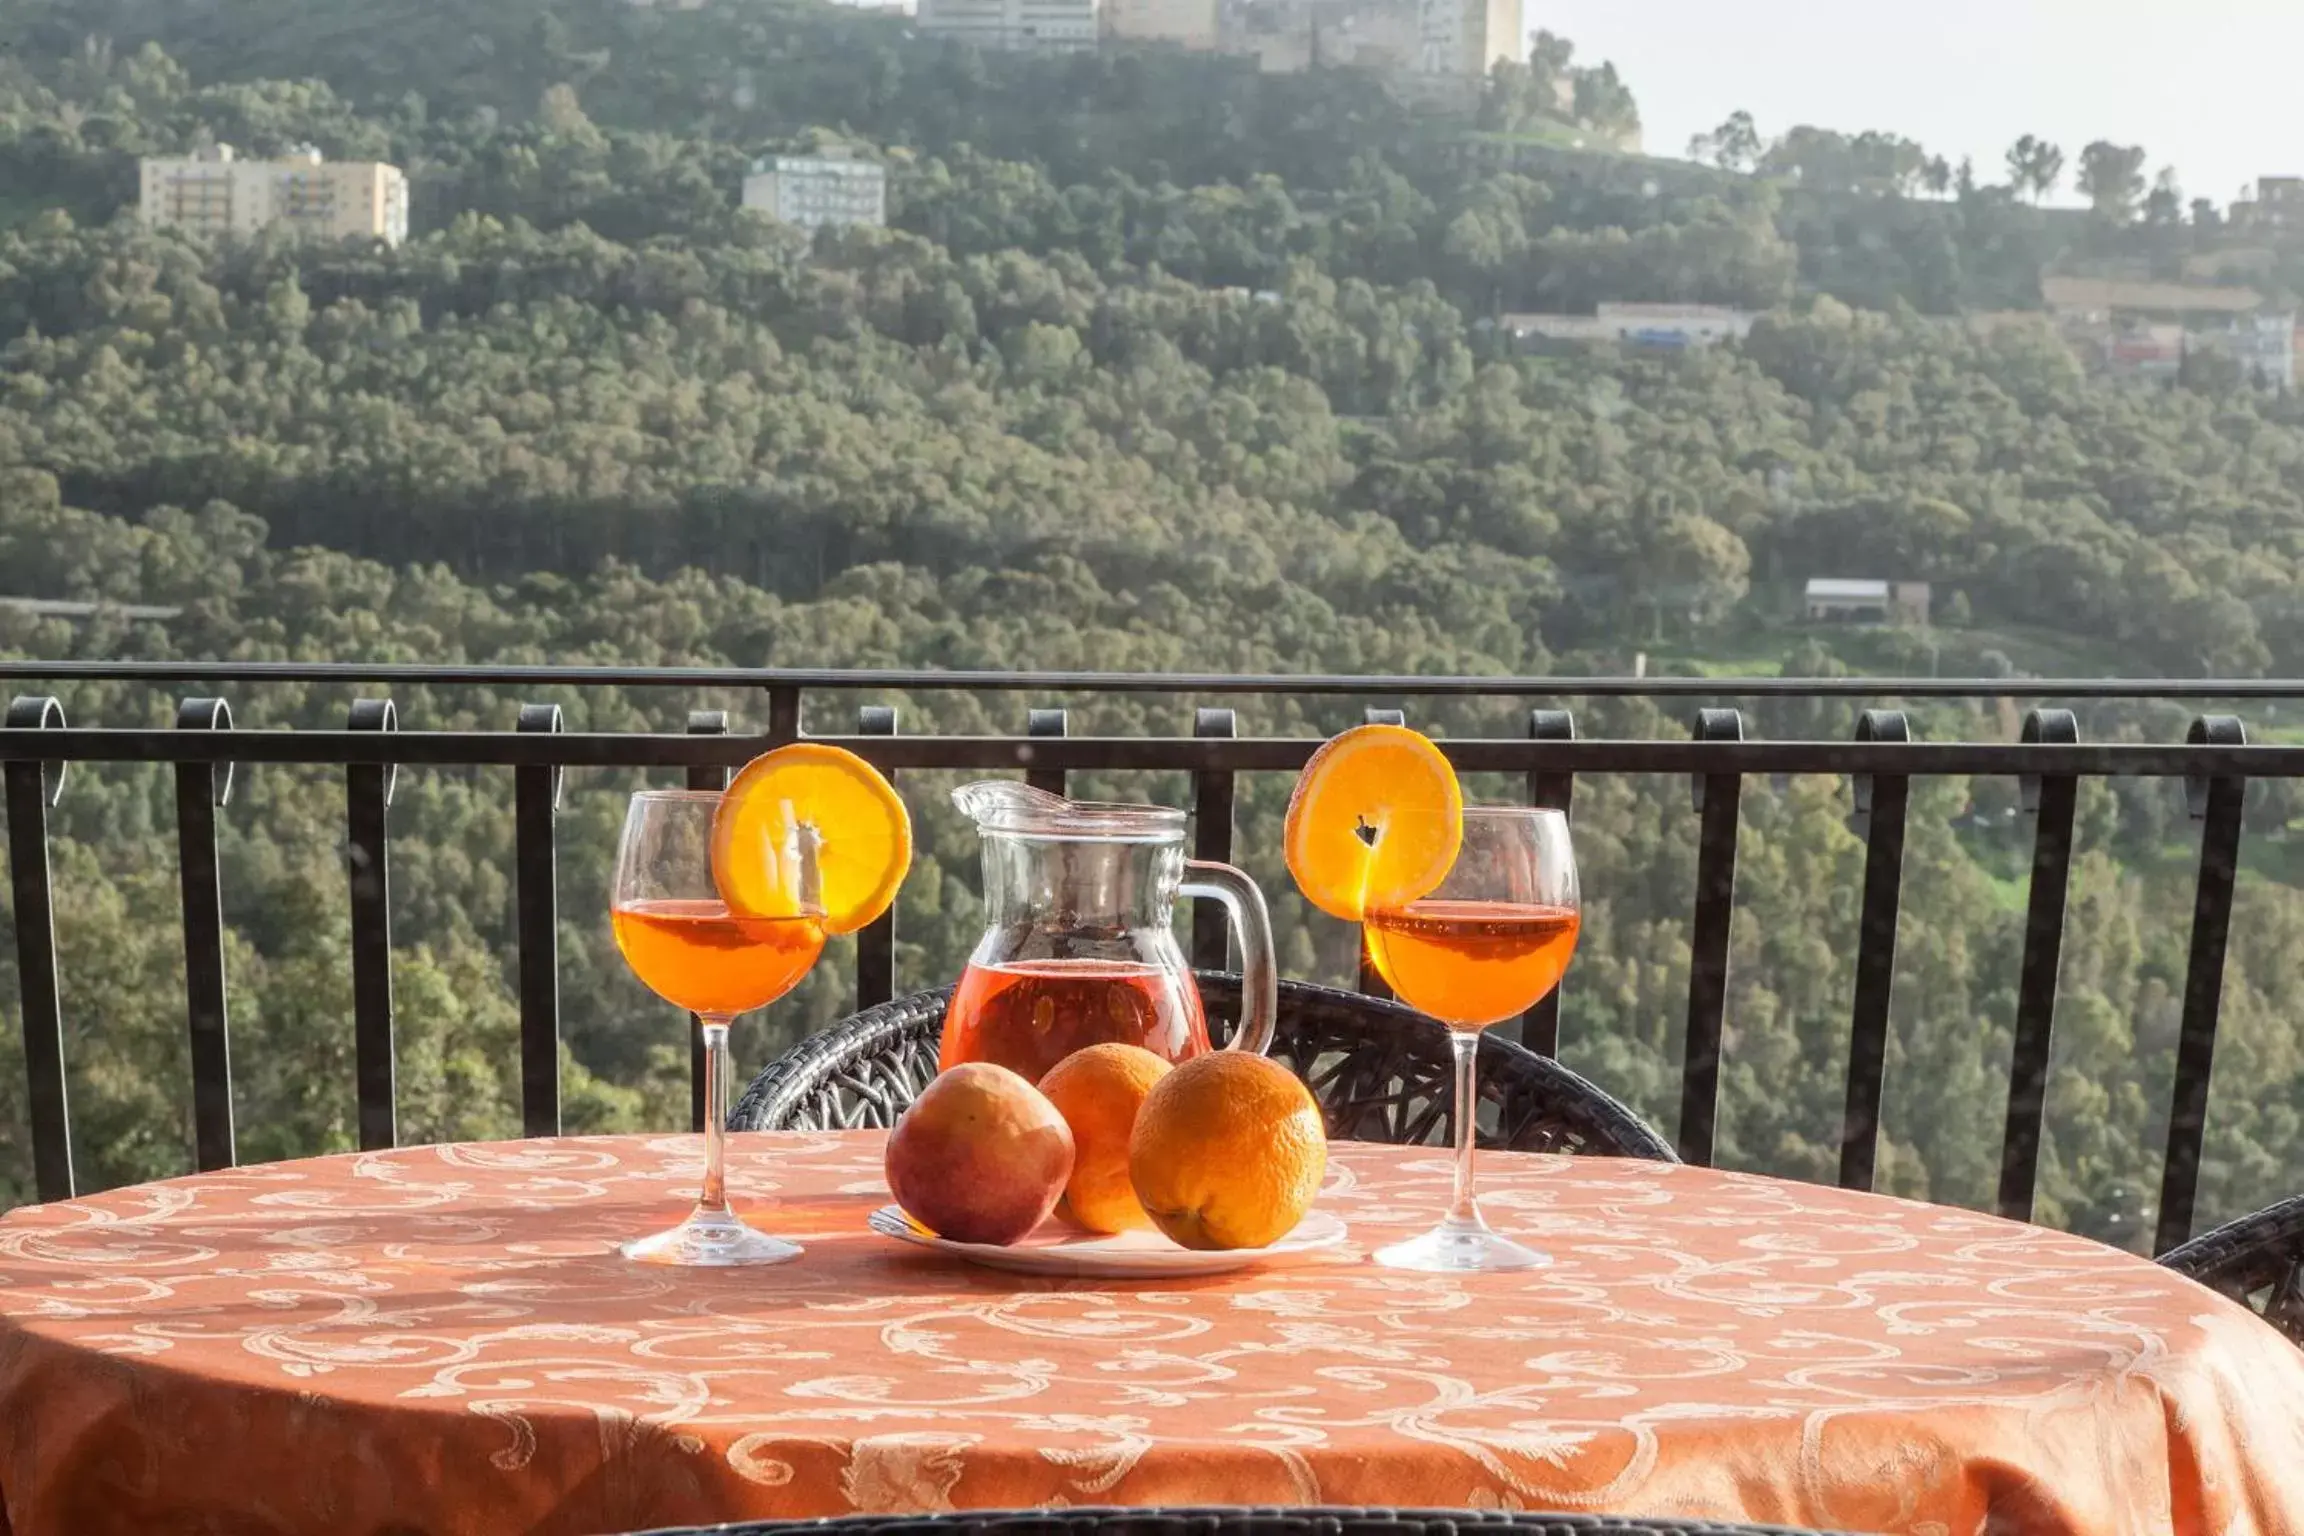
pixel 715 1196
pixel 1464 1044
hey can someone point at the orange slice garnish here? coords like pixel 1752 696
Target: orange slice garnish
pixel 1375 822
pixel 832 801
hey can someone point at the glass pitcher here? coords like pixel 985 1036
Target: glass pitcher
pixel 1078 944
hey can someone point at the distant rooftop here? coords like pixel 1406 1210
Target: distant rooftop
pixel 1841 589
pixel 59 608
pixel 2105 293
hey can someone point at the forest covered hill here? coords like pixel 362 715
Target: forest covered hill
pixel 1163 365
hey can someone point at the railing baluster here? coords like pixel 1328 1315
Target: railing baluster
pixel 1372 982
pixel 32 787
pixel 1719 800
pixel 200 789
pixel 784 723
pixel 1554 789
pixel 367 798
pixel 876 941
pixel 1880 805
pixel 2217 804
pixel 1045 722
pixel 2052 799
pixel 707 722
pixel 536 860
pixel 1212 807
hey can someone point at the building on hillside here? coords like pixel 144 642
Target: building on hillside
pixel 1187 24
pixel 812 191
pixel 1014 26
pixel 214 192
pixel 1446 46
pixel 1645 327
pixel 2277 205
pixel 2105 299
pixel 2264 347
pixel 2146 352
pixel 64 608
pixel 1289 36
pixel 2144 331
pixel 1461 40
pixel 1884 602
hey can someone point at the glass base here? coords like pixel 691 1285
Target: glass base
pixel 1461 1247
pixel 711 1239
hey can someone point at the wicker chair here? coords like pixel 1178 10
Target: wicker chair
pixel 2257 1260
pixel 1380 1071
pixel 1243 1522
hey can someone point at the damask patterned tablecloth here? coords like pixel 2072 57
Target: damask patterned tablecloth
pixel 441 1340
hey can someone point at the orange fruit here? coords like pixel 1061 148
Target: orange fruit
pixel 827 798
pixel 1375 822
pixel 1228 1151
pixel 1098 1091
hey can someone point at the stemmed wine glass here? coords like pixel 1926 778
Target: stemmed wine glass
pixel 1484 946
pixel 680 938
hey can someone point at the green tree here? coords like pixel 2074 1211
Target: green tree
pixel 2112 179
pixel 1735 145
pixel 2035 166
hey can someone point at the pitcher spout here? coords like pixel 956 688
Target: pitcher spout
pixel 1005 804
pixel 1011 806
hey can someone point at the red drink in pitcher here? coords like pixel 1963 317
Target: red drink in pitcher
pixel 1028 1015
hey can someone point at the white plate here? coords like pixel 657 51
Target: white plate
pixel 1056 1249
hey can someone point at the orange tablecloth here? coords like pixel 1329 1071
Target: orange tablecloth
pixel 438 1340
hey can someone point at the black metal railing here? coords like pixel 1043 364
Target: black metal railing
pixel 1880 760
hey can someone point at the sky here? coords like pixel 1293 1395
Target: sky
pixel 2212 87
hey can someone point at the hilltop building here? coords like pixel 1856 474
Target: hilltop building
pixel 2144 331
pixel 1461 40
pixel 815 190
pixel 1449 44
pixel 1187 24
pixel 1649 327
pixel 2263 345
pixel 1881 602
pixel 65 608
pixel 1289 36
pixel 1014 26
pixel 214 192
pixel 2277 205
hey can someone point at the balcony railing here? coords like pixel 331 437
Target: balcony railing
pixel 1880 761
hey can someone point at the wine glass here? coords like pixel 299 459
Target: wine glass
pixel 679 937
pixel 1486 945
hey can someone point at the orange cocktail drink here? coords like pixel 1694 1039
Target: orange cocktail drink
pixel 722 902
pixel 695 954
pixel 1471 964
pixel 1469 912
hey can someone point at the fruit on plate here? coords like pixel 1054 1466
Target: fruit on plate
pixel 1228 1151
pixel 1375 822
pixel 980 1157
pixel 842 805
pixel 1098 1091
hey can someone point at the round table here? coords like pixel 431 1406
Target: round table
pixel 440 1340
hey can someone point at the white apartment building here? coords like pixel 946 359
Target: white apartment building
pixel 815 190
pixel 1021 26
pixel 214 192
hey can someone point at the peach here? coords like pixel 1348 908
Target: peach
pixel 980 1157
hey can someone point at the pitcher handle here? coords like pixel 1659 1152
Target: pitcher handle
pixel 1252 926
